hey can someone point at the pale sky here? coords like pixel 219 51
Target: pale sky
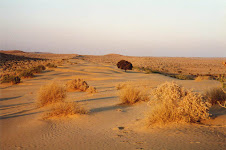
pixel 187 28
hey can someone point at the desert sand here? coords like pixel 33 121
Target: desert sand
pixel 107 125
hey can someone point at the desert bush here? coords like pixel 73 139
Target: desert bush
pixel 91 89
pixel 77 84
pixel 182 77
pixel 7 78
pixel 131 95
pixel 125 65
pixel 172 103
pixel 26 74
pixel 224 85
pixel 120 86
pixel 38 69
pixel 221 78
pixel 148 71
pixel 51 93
pixel 50 65
pixel 200 78
pixel 65 109
pixel 215 95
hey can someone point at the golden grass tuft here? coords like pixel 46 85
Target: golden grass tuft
pixel 91 89
pixel 51 93
pixel 172 103
pixel 216 95
pixel 77 85
pixel 131 95
pixel 64 109
pixel 80 85
pixel 200 78
pixel 120 86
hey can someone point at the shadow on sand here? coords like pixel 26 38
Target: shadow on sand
pixel 4 107
pixel 95 99
pixel 9 98
pixel 19 114
pixel 108 108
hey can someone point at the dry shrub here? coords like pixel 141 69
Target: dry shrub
pixel 172 103
pixel 216 95
pixel 8 78
pixel 65 109
pixel 200 78
pixel 51 93
pixel 80 85
pixel 131 95
pixel 120 86
pixel 91 89
pixel 26 74
pixel 77 84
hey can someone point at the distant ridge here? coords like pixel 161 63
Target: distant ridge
pixel 40 55
pixel 113 55
pixel 12 51
pixel 41 52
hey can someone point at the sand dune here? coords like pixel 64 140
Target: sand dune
pixel 108 125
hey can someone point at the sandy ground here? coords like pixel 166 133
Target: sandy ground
pixel 108 125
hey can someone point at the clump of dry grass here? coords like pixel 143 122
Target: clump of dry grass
pixel 80 85
pixel 65 109
pixel 216 95
pixel 200 78
pixel 131 95
pixel 120 86
pixel 173 103
pixel 77 84
pixel 51 93
pixel 91 89
pixel 7 78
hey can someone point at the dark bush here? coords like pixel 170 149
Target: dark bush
pixel 125 65
pixel 27 74
pixel 16 80
pixel 38 69
pixel 51 65
pixel 7 78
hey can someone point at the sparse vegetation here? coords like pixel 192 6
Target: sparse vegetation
pixel 80 85
pixel 200 78
pixel 167 65
pixel 131 95
pixel 38 69
pixel 26 74
pixel 7 78
pixel 216 95
pixel 182 77
pixel 64 109
pixel 173 103
pixel 91 89
pixel 50 65
pixel 125 65
pixel 51 93
pixel 120 86
pixel 77 84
